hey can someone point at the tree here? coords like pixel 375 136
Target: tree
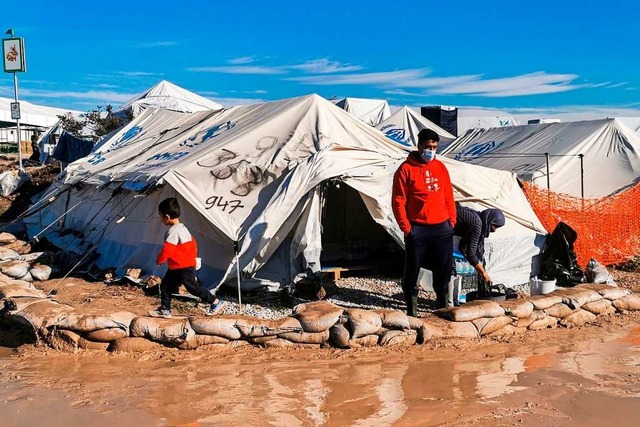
pixel 72 125
pixel 101 120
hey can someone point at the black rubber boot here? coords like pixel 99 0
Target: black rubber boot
pixel 412 306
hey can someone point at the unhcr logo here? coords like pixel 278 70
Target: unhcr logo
pixel 478 150
pixel 396 134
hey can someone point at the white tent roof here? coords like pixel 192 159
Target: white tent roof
pixel 252 174
pixel 473 118
pixel 370 111
pixel 611 154
pixel 32 114
pixel 405 124
pixel 167 96
pixel 632 122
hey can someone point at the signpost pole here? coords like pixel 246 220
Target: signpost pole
pixel 18 137
pixel 13 58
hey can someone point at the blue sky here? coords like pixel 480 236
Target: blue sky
pixel 517 56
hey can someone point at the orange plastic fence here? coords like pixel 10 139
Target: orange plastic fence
pixel 608 228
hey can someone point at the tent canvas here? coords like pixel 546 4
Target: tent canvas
pixel 32 114
pixel 251 175
pixel 405 124
pixel 607 145
pixel 370 111
pixel 168 96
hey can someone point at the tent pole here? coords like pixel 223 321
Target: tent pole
pixel 581 175
pixel 236 249
pixel 546 155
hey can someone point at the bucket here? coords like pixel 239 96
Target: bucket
pixel 541 287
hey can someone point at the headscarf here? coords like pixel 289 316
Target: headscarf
pixel 491 217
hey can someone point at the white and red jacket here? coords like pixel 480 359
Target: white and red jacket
pixel 422 193
pixel 180 248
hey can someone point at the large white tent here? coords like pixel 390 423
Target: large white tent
pixel 610 150
pixel 405 124
pixel 168 96
pixel 474 118
pixel 370 111
pixel 254 175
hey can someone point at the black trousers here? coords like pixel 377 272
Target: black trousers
pixel 428 246
pixel 182 276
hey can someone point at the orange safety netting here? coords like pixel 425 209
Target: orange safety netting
pixel 608 228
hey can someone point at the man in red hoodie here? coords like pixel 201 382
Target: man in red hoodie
pixel 424 208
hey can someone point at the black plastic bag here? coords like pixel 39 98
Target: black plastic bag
pixel 559 260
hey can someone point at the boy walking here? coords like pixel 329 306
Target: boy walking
pixel 179 252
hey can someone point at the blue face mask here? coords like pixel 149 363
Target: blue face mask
pixel 428 155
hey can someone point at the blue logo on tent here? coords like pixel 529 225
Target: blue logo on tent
pixel 210 133
pixel 398 135
pixel 129 134
pixel 478 150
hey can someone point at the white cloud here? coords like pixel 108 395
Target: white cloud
pixel 146 45
pixel 239 69
pixel 387 78
pixel 324 66
pixel 617 85
pixel 206 93
pixel 137 73
pixel 241 60
pixel 250 92
pixel 230 102
pixel 403 92
pixel 95 95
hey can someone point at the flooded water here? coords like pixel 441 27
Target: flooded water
pixel 585 378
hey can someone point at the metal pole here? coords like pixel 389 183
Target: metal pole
pixel 236 248
pixel 546 155
pixel 581 175
pixel 18 138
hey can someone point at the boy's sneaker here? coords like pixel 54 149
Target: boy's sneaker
pixel 215 307
pixel 160 312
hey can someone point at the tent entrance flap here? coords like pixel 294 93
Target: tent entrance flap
pixel 350 236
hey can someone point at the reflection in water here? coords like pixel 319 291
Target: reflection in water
pixel 423 387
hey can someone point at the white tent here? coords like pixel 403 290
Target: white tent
pixel 32 114
pixel 632 122
pixel 473 118
pixel 370 111
pixel 405 124
pixel 611 154
pixel 253 175
pixel 168 96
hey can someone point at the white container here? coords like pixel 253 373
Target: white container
pixel 541 287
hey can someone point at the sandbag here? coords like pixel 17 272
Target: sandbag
pixel 524 322
pixel 317 316
pixel 221 326
pixel 282 343
pixel 88 320
pixel 339 336
pixel 18 303
pixel 14 291
pixel 19 246
pixel 86 344
pixel 434 327
pixel 260 340
pixel 578 318
pixel 27 277
pixel 544 323
pixel 62 340
pixel 253 327
pixel 487 325
pixel 610 292
pixel 599 307
pixel 134 344
pixel 362 322
pixel 6 238
pixel 107 334
pixel 414 323
pixel 40 272
pixel 518 308
pixel 7 254
pixel 540 302
pixel 508 330
pixel 393 319
pixel 306 337
pixel 397 338
pixel 197 340
pixel 560 311
pixel 173 331
pixel 14 269
pixel 6 280
pixel 577 297
pixel 42 314
pixel 366 341
pixel 470 311
pixel 628 302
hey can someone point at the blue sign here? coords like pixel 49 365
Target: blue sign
pixel 478 150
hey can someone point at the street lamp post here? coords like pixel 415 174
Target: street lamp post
pixel 13 57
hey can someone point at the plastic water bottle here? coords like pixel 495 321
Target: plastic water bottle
pixel 462 299
pixel 459 269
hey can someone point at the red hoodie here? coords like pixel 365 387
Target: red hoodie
pixel 422 193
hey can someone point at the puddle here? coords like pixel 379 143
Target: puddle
pixel 587 379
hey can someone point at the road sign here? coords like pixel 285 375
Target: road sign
pixel 13 55
pixel 15 110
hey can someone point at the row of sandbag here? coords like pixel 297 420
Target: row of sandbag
pixel 566 307
pixel 17 262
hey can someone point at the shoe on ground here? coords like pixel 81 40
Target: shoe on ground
pixel 215 307
pixel 160 312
